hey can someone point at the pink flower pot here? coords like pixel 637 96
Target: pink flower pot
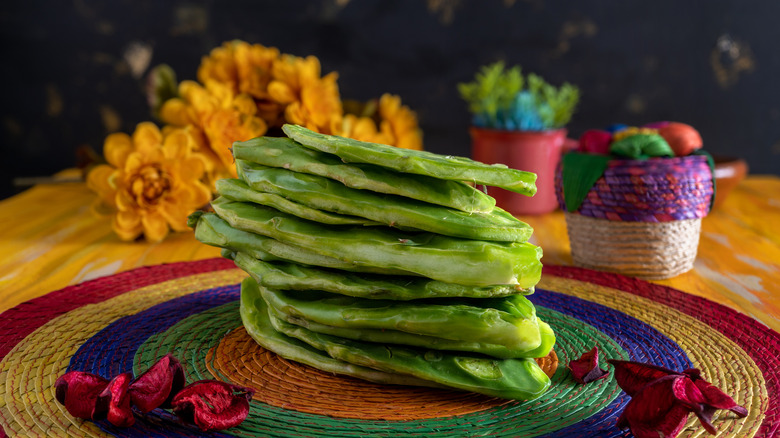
pixel 533 151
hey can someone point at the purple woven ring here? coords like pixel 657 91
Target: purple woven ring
pixel 653 190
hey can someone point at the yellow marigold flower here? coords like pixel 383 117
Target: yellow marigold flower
pixel 245 67
pixel 397 125
pixel 363 129
pixel 151 182
pixel 311 101
pixel 218 118
pixel 400 122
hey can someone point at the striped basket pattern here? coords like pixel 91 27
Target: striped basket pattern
pixel 642 217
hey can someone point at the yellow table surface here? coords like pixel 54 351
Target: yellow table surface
pixel 49 239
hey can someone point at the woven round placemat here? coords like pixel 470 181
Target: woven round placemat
pixel 127 321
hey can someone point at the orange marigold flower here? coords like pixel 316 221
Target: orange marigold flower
pixel 397 125
pixel 151 183
pixel 218 118
pixel 310 100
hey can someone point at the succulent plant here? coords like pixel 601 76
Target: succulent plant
pixel 503 99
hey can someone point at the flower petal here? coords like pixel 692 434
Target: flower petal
pixel 124 200
pixel 176 145
pixel 716 398
pixel 127 225
pixel 157 386
pixel 98 180
pixel 244 104
pixel 114 402
pixel 155 226
pixel 175 214
pixel 147 137
pixel 659 392
pixel 654 411
pixel 705 399
pixel 193 167
pixel 586 369
pixel 281 92
pixel 689 395
pixel 116 148
pixel 174 112
pixel 633 376
pixel 134 162
pixel 213 405
pixel 128 219
pixel 78 391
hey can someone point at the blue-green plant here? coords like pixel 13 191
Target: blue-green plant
pixel 501 98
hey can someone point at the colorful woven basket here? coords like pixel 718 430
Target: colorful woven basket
pixel 642 217
pixel 127 321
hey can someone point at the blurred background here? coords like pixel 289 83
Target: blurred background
pixel 74 71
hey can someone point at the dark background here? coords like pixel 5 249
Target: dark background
pixel 74 71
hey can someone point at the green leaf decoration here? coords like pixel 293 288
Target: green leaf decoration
pixel 493 90
pixel 493 99
pixel 641 146
pixel 579 173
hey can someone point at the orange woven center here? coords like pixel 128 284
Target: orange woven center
pixel 290 385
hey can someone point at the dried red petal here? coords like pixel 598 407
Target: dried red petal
pixel 158 385
pixel 718 399
pixel 212 405
pixel 689 395
pixel 654 411
pixel 114 402
pixel 78 391
pixel 633 376
pixel 704 399
pixel 660 396
pixel 586 369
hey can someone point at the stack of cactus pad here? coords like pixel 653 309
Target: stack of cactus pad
pixel 382 263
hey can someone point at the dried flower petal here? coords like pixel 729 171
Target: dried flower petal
pixel 653 411
pixel 663 398
pixel 703 399
pixel 114 402
pixel 212 405
pixel 78 391
pixel 633 376
pixel 718 399
pixel 158 385
pixel 586 369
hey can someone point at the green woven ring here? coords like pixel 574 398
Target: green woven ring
pixel 194 340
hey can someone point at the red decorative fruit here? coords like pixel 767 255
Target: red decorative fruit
pixel 595 141
pixel 682 138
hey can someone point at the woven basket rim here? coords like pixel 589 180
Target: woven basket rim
pixel 670 189
pixel 657 159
